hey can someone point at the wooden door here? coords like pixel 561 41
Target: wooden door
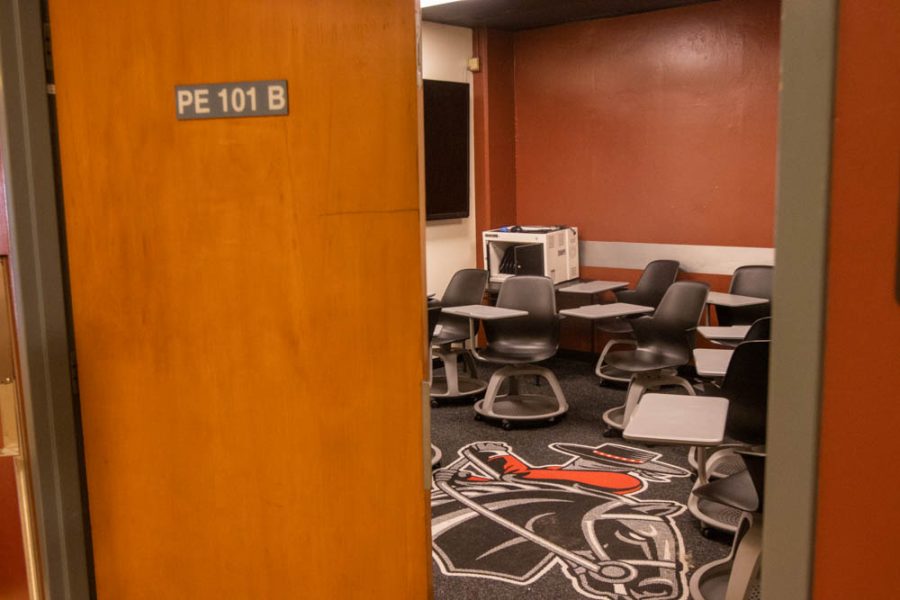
pixel 248 298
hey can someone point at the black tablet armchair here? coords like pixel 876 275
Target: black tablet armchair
pixel 664 343
pixel 450 337
pixel 754 281
pixel 737 575
pixel 518 344
pixel 674 419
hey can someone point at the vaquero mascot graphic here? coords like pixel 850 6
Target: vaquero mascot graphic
pixel 496 516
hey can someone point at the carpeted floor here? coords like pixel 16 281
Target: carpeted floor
pixel 461 554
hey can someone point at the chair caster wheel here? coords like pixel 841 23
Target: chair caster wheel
pixel 693 477
pixel 612 432
pixel 434 403
pixel 477 416
pixel 506 425
pixel 551 420
pixel 707 532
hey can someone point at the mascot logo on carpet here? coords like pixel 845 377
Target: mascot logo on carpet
pixel 496 516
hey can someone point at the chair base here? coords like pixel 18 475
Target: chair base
pixel 723 463
pixel 465 387
pixel 522 408
pixel 735 577
pixel 610 373
pixel 516 407
pixel 714 584
pixel 712 514
pixel 617 418
pixel 452 385
pixel 720 465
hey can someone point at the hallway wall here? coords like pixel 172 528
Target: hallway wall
pixel 449 243
pixel 857 527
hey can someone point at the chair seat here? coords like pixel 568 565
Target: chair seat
pixel 641 360
pixel 510 354
pixel 736 491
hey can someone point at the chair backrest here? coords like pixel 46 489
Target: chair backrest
pixel 746 385
pixel 671 329
pixel 751 280
pixel 761 330
pixel 540 329
pixel 658 275
pixel 466 287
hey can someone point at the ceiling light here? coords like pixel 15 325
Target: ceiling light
pixel 427 3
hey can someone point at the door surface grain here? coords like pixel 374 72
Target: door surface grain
pixel 247 297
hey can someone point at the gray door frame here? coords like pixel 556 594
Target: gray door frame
pixel 808 54
pixel 51 420
pixel 808 41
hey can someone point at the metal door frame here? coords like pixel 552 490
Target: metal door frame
pixel 806 109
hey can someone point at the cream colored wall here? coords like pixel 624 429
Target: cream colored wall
pixel 450 244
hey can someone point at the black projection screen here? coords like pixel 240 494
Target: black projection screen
pixel 446 116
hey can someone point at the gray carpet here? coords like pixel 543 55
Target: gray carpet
pixel 453 427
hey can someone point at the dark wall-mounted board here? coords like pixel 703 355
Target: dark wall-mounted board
pixel 446 115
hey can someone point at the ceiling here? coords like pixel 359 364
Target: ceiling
pixel 513 15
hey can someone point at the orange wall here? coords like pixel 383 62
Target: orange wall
pixel 658 127
pixel 858 526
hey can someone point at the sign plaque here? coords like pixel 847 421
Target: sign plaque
pixel 231 100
